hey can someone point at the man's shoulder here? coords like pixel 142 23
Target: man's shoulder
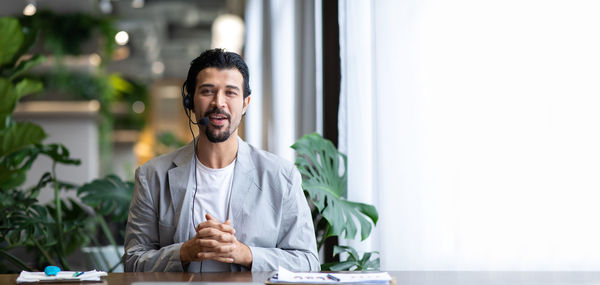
pixel 264 160
pixel 166 161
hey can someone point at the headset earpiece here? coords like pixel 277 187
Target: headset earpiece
pixel 188 101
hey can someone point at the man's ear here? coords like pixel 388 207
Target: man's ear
pixel 246 102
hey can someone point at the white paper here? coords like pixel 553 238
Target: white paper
pixel 62 276
pixel 286 276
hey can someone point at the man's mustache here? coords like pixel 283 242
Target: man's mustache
pixel 217 111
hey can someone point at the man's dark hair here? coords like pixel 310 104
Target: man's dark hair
pixel 219 59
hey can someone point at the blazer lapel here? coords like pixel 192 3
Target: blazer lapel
pixel 181 198
pixel 243 179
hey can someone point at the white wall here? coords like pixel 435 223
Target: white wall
pixel 485 140
pixel 77 129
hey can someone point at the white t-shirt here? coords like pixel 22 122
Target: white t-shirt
pixel 212 197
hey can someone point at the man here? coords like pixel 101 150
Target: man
pixel 218 204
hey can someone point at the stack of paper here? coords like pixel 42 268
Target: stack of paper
pixel 62 276
pixel 286 276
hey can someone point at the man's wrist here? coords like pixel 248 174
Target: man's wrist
pixel 183 254
pixel 244 255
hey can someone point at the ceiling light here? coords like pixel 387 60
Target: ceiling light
pixel 105 6
pixel 228 33
pixel 122 38
pixel 158 67
pixel 138 107
pixel 94 59
pixel 30 9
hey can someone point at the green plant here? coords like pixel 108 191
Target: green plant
pixel 109 197
pixel 318 161
pixel 87 34
pixel 55 229
pixel 354 261
pixel 80 28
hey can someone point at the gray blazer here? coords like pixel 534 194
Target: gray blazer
pixel 268 211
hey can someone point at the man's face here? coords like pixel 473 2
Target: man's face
pixel 219 96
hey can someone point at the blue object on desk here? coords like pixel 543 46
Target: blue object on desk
pixel 51 270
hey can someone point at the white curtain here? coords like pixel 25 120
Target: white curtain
pixel 282 58
pixel 473 126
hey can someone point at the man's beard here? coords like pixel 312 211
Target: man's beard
pixel 213 136
pixel 217 138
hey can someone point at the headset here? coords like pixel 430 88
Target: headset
pixel 188 106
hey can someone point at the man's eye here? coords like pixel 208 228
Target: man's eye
pixel 206 91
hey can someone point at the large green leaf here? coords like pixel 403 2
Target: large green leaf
pixel 11 177
pixel 8 98
pixel 11 93
pixel 28 86
pixel 20 135
pixel 11 39
pixel 319 163
pixel 30 35
pixel 26 65
pixel 14 166
pixel 108 196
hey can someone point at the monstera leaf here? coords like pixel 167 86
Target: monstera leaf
pixel 108 196
pixel 319 163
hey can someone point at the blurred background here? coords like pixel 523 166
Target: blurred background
pixel 472 126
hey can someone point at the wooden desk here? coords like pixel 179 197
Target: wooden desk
pixel 401 278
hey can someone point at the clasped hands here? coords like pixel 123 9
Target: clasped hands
pixel 215 240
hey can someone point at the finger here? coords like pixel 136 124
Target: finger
pixel 209 217
pixel 226 228
pixel 229 223
pixel 214 256
pixel 214 231
pixel 223 238
pixel 213 245
pixel 222 250
pixel 208 244
pixel 208 224
pixel 209 233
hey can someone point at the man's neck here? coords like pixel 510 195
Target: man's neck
pixel 217 155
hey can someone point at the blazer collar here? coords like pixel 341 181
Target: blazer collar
pixel 178 185
pixel 243 179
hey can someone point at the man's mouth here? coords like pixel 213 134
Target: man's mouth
pixel 217 119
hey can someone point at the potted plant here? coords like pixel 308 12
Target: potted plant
pixel 110 198
pixel 325 180
pixel 54 230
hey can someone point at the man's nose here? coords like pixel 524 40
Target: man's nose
pixel 219 99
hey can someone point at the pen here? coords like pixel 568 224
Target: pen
pixel 333 278
pixel 77 274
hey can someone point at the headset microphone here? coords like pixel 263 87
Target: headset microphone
pixel 202 122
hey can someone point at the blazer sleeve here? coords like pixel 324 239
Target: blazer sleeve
pixel 296 246
pixel 143 251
